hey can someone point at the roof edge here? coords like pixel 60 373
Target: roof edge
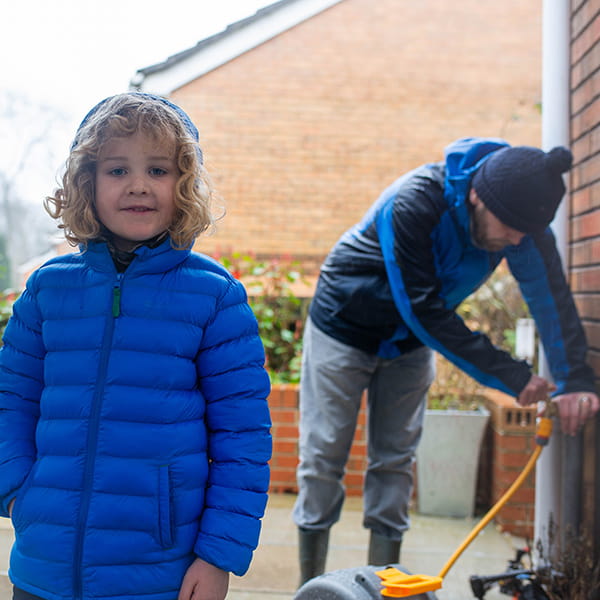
pixel 214 51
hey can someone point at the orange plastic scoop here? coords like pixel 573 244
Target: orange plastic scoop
pixel 397 584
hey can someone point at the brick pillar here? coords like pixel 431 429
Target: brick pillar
pixel 283 404
pixel 512 443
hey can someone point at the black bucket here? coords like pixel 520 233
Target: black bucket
pixel 360 583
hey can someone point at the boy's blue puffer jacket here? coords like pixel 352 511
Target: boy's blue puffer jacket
pixel 134 427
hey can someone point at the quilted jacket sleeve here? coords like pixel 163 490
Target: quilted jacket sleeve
pixel 236 386
pixel 537 267
pixel 21 382
pixel 405 230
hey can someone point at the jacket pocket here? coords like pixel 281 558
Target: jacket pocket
pixel 165 524
pixel 17 517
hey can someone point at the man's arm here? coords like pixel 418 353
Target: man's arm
pixel 536 265
pixel 408 229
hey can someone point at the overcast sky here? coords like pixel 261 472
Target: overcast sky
pixel 72 53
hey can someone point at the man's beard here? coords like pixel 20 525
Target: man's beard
pixel 478 232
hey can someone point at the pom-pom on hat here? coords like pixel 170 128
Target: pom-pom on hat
pixel 523 186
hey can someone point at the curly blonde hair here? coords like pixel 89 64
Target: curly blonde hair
pixel 122 115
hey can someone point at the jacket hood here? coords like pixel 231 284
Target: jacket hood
pixel 463 157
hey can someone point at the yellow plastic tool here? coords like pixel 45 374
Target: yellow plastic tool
pixel 397 584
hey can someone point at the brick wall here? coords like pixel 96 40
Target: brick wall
pixel 302 133
pixel 585 219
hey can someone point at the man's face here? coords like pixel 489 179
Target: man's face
pixel 487 231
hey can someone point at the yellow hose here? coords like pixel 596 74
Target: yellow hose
pixel 493 511
pixel 399 585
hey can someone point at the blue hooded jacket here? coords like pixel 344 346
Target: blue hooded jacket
pixel 134 426
pixel 393 282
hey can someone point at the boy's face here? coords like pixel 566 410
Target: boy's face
pixel 135 188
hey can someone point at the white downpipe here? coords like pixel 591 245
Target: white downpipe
pixel 549 499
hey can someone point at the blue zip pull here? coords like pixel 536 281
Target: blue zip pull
pixel 116 304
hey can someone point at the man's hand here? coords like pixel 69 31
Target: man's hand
pixel 536 390
pixel 575 409
pixel 203 581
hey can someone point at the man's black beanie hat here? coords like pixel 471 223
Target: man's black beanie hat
pixel 523 186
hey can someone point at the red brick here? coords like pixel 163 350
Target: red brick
pixel 354 480
pixel 514 442
pixel 588 305
pixel 282 475
pixel 586 39
pixel 592 331
pixel 359 450
pixel 284 447
pixel 585 278
pixel 287 461
pixel 511 459
pixel 283 396
pixel 585 253
pixel 284 431
pixel 587 118
pixel 284 416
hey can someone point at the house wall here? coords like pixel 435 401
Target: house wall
pixel 302 133
pixel 585 219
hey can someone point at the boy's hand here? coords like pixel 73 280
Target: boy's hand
pixel 203 581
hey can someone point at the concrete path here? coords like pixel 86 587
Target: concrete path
pixel 426 549
pixel 273 574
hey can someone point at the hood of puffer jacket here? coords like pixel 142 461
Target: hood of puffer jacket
pixel 463 157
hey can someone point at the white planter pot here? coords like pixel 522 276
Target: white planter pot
pixel 447 461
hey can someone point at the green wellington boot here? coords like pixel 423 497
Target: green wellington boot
pixel 383 550
pixel 312 546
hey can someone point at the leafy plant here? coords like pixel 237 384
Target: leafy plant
pixel 495 307
pixel 280 312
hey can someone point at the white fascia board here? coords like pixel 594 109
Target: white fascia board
pixel 230 46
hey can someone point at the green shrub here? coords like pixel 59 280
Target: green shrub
pixel 280 313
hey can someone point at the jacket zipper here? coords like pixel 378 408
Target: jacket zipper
pixel 116 303
pixel 92 439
